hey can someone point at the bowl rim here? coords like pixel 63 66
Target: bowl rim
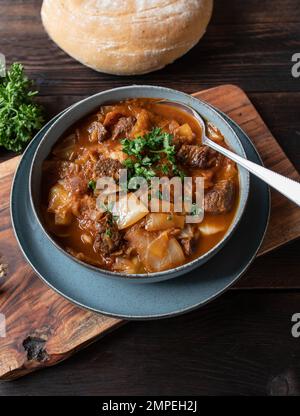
pixel 151 276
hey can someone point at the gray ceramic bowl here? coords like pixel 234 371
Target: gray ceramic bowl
pixel 90 104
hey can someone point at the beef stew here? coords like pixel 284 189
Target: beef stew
pixel 148 140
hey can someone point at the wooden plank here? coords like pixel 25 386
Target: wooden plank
pixel 280 113
pixel 253 49
pixel 240 344
pixel 255 11
pixel 235 12
pixel 278 269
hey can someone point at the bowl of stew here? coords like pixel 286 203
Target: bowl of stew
pixel 127 130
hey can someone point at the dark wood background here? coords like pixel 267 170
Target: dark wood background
pixel 241 343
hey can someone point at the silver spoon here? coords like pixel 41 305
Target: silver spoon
pixel 284 185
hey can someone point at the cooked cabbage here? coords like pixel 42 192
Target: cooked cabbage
pixel 127 265
pixel 164 252
pixel 128 210
pixel 59 204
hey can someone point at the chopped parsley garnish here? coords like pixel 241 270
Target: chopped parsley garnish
pixel 150 154
pixel 108 232
pixel 165 169
pixel 92 185
pixel 195 210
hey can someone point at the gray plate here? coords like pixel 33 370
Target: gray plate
pixel 120 298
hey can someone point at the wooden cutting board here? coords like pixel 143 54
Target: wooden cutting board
pixel 42 328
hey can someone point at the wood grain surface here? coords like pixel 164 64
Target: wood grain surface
pixel 241 343
pixel 42 327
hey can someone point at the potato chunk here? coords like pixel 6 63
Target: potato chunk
pixel 185 133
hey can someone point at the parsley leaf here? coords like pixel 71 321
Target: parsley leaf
pixel 195 210
pixel 108 232
pixel 165 169
pixel 92 185
pixel 20 118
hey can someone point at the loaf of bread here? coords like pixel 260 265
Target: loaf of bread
pixel 126 37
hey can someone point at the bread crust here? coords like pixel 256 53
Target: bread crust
pixel 126 37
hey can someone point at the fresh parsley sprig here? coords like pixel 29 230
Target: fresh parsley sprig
pixel 20 118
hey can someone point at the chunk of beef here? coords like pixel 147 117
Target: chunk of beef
pixel 188 246
pixel 201 157
pixel 108 167
pixel 108 238
pixel 188 239
pixel 220 198
pixel 123 127
pixel 98 132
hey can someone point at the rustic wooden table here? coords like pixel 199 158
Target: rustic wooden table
pixel 242 342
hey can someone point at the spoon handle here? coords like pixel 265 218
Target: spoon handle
pixel 284 185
